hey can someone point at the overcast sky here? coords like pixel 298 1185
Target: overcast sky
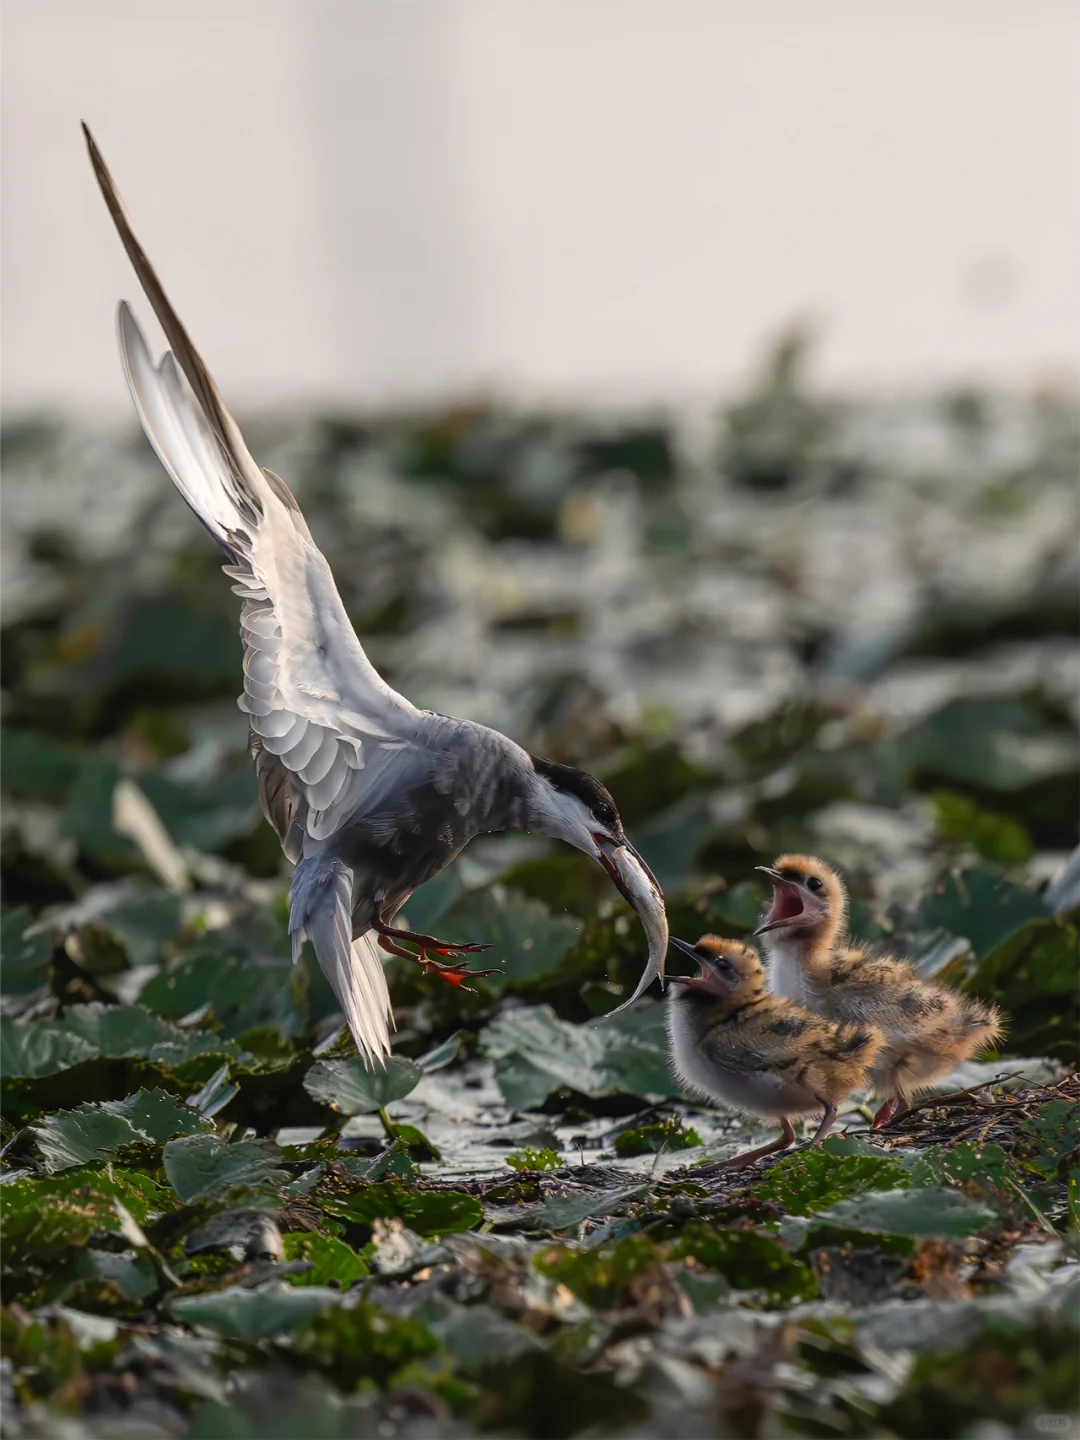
pixel 369 199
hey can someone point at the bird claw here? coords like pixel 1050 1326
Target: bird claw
pixel 453 972
pixel 456 975
pixel 464 948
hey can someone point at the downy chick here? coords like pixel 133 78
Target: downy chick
pixel 928 1029
pixel 733 1042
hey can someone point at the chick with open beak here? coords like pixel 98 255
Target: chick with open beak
pixel 928 1029
pixel 756 1053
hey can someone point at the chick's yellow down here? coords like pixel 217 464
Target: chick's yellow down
pixel 929 1029
pixel 756 1053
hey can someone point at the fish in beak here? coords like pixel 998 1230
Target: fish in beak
pixel 793 906
pixel 639 887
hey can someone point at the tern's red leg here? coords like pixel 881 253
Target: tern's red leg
pixel 884 1112
pixel 429 942
pixel 393 949
pixel 454 975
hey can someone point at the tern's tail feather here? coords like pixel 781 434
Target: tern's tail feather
pixel 320 909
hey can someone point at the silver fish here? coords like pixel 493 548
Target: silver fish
pixel 640 887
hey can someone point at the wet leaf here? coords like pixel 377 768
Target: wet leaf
pixel 478 1336
pixel 533 1160
pixel 355 1088
pixel 303 1406
pixel 1049 1139
pixel 45 1218
pixel 359 1342
pixel 814 1180
pixel 526 941
pixel 1031 975
pixel 995 837
pixel 24 959
pixel 747 1261
pixel 655 1139
pixel 427 1212
pixel 202 1165
pixel 95 1132
pixel 31 761
pixel 535 1053
pixel 139 916
pixel 39 1049
pixel 600 1275
pixel 240 996
pixel 95 1272
pixel 982 1164
pixel 271 1309
pixel 932 1210
pixel 331 1260
pixel 443 1055
pixel 109 1031
pixel 994 744
pixel 979 905
pixel 1007 1373
pixel 537 1393
pixel 567 1212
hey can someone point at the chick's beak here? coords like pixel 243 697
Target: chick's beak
pixel 638 886
pixel 706 980
pixel 691 950
pixel 791 904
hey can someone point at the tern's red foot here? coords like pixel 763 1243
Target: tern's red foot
pixel 452 974
pixel 455 975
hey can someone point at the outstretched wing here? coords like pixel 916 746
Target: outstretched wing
pixel 327 731
pixel 330 739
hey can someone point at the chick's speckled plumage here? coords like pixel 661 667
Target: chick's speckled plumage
pixel 759 1053
pixel 928 1029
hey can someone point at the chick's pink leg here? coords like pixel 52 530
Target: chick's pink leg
pixel 782 1141
pixel 826 1123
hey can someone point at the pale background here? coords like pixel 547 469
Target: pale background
pixel 359 200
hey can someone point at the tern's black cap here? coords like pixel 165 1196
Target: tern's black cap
pixel 585 786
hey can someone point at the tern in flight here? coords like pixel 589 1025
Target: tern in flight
pixel 369 796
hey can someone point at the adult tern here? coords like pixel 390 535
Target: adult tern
pixel 370 797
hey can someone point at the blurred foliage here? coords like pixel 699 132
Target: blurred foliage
pixel 661 1135
pixel 840 628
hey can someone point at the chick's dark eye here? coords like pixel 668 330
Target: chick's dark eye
pixel 722 964
pixel 814 883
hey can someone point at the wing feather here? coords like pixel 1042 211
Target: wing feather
pixel 353 967
pixel 311 694
pixel 328 735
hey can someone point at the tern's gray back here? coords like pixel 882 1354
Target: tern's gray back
pixel 429 797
